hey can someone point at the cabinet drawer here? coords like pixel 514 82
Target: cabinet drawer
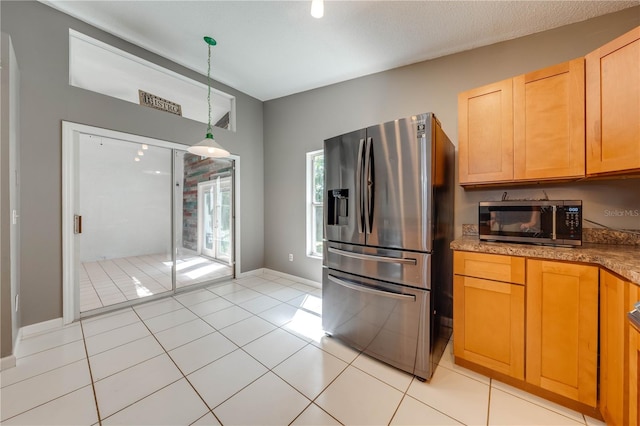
pixel 489 266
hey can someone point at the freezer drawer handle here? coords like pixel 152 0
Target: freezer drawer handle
pixel 405 297
pixel 361 256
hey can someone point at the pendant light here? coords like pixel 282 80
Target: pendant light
pixel 208 147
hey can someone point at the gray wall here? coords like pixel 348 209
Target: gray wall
pixel 273 172
pixel 9 196
pixel 299 123
pixel 41 41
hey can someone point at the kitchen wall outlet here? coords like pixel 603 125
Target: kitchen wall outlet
pixel 290 257
pixel 17 302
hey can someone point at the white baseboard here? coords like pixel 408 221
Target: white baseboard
pixel 260 271
pixel 293 278
pixel 29 331
pixel 7 362
pixel 252 273
pixel 38 328
pixel 10 361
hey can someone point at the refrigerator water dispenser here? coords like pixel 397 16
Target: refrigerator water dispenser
pixel 338 211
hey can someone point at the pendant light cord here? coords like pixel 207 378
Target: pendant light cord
pixel 209 88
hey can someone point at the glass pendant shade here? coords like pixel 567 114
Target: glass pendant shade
pixel 208 147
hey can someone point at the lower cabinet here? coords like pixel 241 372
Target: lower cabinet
pixel 634 376
pixel 488 311
pixel 562 329
pixel 537 330
pixel 618 351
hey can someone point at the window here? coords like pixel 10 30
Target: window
pixel 99 67
pixel 315 191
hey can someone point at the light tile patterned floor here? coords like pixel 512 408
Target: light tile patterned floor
pixel 250 351
pixel 108 282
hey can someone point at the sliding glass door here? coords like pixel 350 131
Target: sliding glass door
pixel 125 240
pixel 143 226
pixel 204 218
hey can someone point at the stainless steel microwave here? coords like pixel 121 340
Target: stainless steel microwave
pixel 550 222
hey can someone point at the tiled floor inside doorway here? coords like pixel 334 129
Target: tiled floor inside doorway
pixel 249 351
pixel 108 282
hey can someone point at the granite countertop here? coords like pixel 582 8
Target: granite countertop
pixel 623 259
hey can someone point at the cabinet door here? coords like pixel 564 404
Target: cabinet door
pixel 548 121
pixel 633 373
pixel 613 105
pixel 562 328
pixel 614 359
pixel 488 324
pixel 485 133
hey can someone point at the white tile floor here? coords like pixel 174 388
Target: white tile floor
pixel 108 282
pixel 251 352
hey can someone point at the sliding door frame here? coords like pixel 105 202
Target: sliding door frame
pixel 70 166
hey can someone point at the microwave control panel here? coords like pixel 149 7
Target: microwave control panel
pixel 569 222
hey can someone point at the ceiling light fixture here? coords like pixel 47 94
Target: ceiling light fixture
pixel 317 8
pixel 208 147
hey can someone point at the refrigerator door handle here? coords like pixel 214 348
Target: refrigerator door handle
pixel 370 290
pixel 359 193
pixel 362 256
pixel 368 178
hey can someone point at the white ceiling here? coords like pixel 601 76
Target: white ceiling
pixel 269 49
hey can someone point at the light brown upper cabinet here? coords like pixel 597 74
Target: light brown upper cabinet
pixel 526 128
pixel 485 133
pixel 613 106
pixel 548 133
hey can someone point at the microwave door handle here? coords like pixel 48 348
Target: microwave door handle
pixel 359 193
pixel 371 290
pixel 368 186
pixel 553 222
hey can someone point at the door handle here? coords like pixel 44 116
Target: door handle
pixel 368 180
pixel 77 224
pixel 371 290
pixel 362 256
pixel 359 190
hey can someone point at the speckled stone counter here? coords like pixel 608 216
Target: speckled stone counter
pixel 622 259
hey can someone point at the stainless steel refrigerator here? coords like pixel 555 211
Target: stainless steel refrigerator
pixel 388 222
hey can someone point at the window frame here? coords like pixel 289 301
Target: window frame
pixel 312 205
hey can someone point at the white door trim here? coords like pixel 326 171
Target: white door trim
pixel 200 209
pixel 70 138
